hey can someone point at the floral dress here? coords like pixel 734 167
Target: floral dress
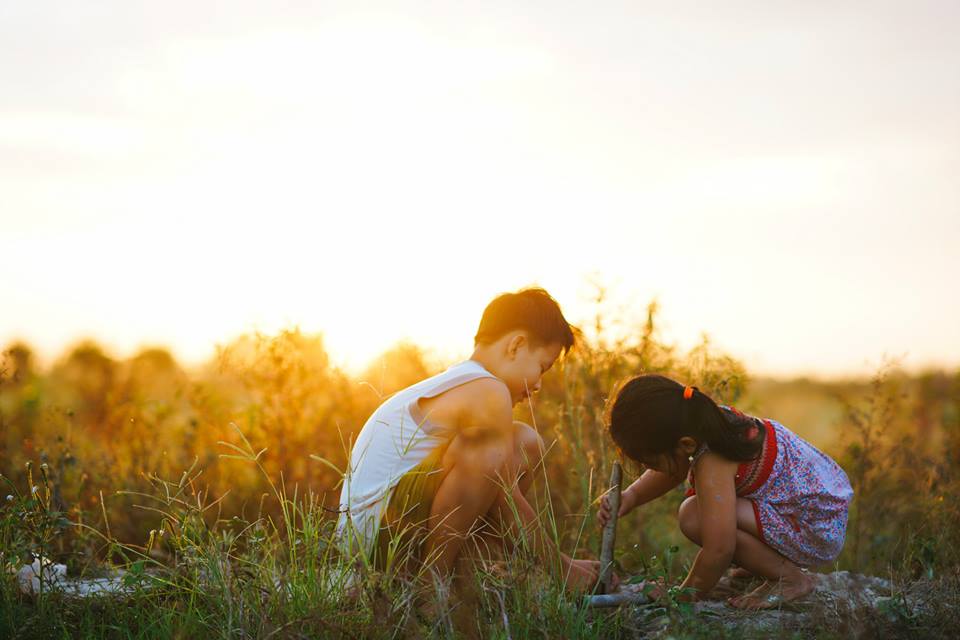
pixel 800 495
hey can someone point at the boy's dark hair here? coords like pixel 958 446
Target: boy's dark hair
pixel 532 310
pixel 649 415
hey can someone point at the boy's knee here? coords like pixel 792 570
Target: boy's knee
pixel 689 519
pixel 529 444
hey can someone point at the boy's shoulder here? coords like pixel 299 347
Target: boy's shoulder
pixel 482 400
pixel 483 392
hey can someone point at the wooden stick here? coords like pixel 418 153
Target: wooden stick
pixel 616 600
pixel 610 531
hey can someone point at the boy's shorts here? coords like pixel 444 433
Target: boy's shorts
pixel 404 525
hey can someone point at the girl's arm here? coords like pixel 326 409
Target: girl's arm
pixel 717 505
pixel 649 486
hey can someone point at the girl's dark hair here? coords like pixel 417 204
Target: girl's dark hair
pixel 532 310
pixel 649 415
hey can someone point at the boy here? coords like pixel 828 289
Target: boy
pixel 441 456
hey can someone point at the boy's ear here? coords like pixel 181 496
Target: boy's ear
pixel 514 344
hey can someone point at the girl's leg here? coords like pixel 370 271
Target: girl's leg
pixel 689 517
pixel 784 579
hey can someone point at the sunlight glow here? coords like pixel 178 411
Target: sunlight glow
pixel 377 177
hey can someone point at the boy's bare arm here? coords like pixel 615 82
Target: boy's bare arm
pixel 478 453
pixel 484 412
pixel 486 418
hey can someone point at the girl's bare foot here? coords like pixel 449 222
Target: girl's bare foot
pixel 771 595
pixel 757 594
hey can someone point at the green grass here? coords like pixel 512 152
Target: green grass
pixel 143 466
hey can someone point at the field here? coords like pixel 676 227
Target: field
pixel 216 489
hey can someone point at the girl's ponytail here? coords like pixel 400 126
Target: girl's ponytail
pixel 724 431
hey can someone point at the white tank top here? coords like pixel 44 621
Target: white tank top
pixel 394 440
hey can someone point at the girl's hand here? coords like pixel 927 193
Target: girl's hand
pixel 626 505
pixel 655 590
pixel 659 590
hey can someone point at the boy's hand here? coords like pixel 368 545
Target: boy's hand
pixel 581 575
pixel 603 513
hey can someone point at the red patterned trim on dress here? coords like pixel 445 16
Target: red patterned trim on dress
pixel 751 475
pixel 756 515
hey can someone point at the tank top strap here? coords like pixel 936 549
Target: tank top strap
pixel 691 478
pixel 702 449
pixel 458 374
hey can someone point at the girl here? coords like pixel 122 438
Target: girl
pixel 760 495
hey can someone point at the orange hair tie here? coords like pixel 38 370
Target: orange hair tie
pixel 687 393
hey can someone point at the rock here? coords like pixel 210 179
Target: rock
pixel 43 576
pixel 837 595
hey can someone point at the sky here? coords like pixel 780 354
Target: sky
pixel 784 177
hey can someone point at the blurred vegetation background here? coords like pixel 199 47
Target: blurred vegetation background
pixel 109 428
